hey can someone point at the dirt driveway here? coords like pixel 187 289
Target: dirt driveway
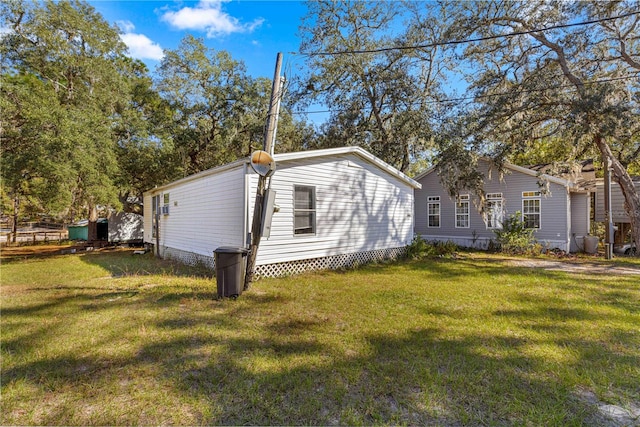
pixel 577 267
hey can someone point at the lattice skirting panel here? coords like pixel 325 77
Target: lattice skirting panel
pixel 188 258
pixel 328 263
pixel 333 262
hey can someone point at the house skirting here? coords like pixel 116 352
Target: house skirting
pixel 333 262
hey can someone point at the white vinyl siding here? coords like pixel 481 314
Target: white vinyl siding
pixel 358 207
pixel 433 212
pixel 205 213
pixel 462 211
pixel 531 209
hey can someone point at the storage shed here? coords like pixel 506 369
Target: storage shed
pixel 80 230
pixel 337 207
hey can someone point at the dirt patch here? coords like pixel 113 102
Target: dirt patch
pixel 608 415
pixel 8 253
pixel 13 252
pixel 574 267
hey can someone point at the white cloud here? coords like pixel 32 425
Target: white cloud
pixel 126 26
pixel 141 47
pixel 208 16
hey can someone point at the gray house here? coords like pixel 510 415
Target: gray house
pixel 559 213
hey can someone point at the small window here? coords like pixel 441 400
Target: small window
pixel 462 211
pixel 433 211
pixel 531 209
pixel 155 210
pixel 494 210
pixel 304 210
pixel 166 198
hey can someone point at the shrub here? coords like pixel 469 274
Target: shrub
pixel 516 238
pixel 420 248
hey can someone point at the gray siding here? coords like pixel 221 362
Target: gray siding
pixel 555 208
pixel 580 208
pixel 618 211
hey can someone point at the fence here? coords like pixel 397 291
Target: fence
pixel 34 236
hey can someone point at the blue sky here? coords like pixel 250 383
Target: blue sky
pixel 252 31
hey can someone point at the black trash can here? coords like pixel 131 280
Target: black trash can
pixel 230 269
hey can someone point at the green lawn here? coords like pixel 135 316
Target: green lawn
pixel 122 339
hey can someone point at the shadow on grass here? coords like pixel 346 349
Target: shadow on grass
pixel 126 263
pixel 285 373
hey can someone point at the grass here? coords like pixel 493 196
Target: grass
pixel 120 339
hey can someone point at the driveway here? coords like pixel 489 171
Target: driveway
pixel 577 267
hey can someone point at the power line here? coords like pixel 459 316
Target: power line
pixel 455 42
pixel 493 95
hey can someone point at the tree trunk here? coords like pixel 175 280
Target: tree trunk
pixel 631 197
pixel 14 218
pixel 92 231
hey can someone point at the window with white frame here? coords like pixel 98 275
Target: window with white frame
pixel 494 210
pixel 531 209
pixel 433 211
pixel 304 209
pixel 462 211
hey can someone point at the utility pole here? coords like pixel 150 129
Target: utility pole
pixel 268 143
pixel 609 230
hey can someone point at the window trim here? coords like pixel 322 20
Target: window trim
pixel 532 196
pixel 435 201
pixel 312 211
pixel 494 198
pixel 463 199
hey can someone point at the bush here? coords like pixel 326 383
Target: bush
pixel 420 248
pixel 515 238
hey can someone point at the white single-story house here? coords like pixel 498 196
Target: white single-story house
pixel 337 207
pixel 559 214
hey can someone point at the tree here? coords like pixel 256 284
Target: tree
pixel 538 75
pixel 80 60
pixel 28 160
pixel 380 99
pixel 220 111
pixel 144 143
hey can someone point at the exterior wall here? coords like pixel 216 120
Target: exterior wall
pixel 147 220
pixel 555 223
pixel 618 211
pixel 359 208
pixel 580 209
pixel 204 214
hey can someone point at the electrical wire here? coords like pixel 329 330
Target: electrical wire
pixel 493 95
pixel 455 42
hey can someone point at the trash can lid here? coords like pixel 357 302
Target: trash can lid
pixel 231 250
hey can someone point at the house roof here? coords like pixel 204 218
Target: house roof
pixel 571 184
pixel 301 155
